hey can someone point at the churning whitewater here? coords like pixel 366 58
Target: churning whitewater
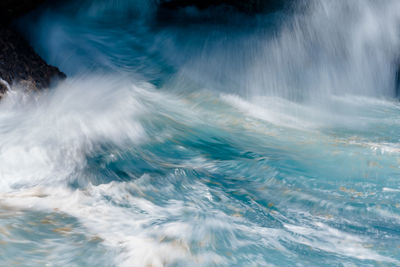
pixel 211 139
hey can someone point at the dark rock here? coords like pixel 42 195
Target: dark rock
pixel 11 9
pixel 248 6
pixel 19 64
pixel 4 87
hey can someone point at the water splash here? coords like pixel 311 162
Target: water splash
pixel 270 140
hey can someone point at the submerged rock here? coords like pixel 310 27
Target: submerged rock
pixel 19 63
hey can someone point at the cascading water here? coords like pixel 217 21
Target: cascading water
pixel 213 139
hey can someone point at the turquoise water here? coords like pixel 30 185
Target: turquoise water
pixel 213 139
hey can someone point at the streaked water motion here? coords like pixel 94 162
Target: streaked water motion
pixel 214 139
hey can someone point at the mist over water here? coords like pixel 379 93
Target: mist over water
pixel 206 138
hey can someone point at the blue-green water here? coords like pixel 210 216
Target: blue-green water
pixel 213 139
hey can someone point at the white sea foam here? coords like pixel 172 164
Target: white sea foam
pixel 329 239
pixel 46 140
pixel 314 74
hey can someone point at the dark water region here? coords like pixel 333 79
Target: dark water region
pixel 206 137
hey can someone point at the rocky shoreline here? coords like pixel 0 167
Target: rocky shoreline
pixel 19 64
